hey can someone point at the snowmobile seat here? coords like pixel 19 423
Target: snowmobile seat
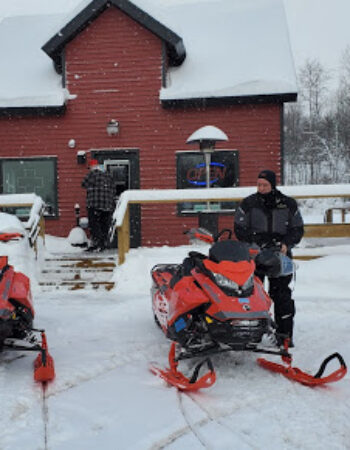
pixel 171 268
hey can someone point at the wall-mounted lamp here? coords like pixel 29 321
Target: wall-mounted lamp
pixel 112 127
pixel 71 143
pixel 81 157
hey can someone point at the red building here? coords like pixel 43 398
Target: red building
pixel 160 73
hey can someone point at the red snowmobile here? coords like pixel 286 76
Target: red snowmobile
pixel 212 304
pixel 16 317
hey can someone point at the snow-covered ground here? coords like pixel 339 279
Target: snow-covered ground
pixel 104 396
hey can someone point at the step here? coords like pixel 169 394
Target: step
pixel 78 271
pixel 75 276
pixel 75 285
pixel 81 262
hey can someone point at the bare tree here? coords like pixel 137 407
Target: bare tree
pixel 317 127
pixel 313 80
pixel 342 114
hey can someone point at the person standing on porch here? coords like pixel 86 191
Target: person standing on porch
pixel 100 201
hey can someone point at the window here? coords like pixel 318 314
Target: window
pixel 191 174
pixel 28 175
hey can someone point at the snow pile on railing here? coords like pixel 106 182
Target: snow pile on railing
pixel 36 204
pixel 11 224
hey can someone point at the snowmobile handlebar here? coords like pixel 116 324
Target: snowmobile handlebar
pixel 202 234
pixel 217 236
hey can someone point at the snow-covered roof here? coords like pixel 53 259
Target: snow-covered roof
pixel 28 78
pixel 234 49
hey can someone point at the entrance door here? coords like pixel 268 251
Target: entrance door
pixel 124 166
pixel 120 169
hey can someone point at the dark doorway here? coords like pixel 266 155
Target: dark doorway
pixel 125 168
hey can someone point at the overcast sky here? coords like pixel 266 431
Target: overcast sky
pixel 318 28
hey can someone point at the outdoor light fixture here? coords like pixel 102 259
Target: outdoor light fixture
pixel 81 157
pixel 112 127
pixel 206 137
pixel 71 143
pixel 77 212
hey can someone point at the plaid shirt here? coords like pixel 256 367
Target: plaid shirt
pixel 101 190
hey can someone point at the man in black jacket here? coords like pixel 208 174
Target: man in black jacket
pixel 100 202
pixel 272 219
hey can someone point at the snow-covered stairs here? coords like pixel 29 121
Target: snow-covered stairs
pixel 78 271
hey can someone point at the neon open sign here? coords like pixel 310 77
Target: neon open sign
pixel 196 175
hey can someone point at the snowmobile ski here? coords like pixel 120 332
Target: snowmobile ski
pixel 44 369
pixel 176 378
pixel 295 374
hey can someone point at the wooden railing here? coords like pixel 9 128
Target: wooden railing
pixel 35 225
pixel 121 215
pixel 343 211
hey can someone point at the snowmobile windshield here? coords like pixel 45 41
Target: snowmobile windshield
pixel 229 251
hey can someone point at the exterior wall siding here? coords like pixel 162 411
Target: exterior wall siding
pixel 114 70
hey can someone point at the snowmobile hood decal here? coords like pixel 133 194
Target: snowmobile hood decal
pixel 212 293
pixel 6 289
pixel 224 315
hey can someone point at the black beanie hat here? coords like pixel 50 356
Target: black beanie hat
pixel 270 176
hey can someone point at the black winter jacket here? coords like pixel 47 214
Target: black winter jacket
pixel 269 219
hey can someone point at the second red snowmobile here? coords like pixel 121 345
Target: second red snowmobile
pixel 213 304
pixel 16 317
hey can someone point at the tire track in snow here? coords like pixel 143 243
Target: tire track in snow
pixel 196 427
pixel 193 426
pixel 112 361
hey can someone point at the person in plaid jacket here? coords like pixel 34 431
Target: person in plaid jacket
pixel 100 202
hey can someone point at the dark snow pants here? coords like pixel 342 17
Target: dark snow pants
pixel 99 222
pixel 284 305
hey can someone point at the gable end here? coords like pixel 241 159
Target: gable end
pixel 54 47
